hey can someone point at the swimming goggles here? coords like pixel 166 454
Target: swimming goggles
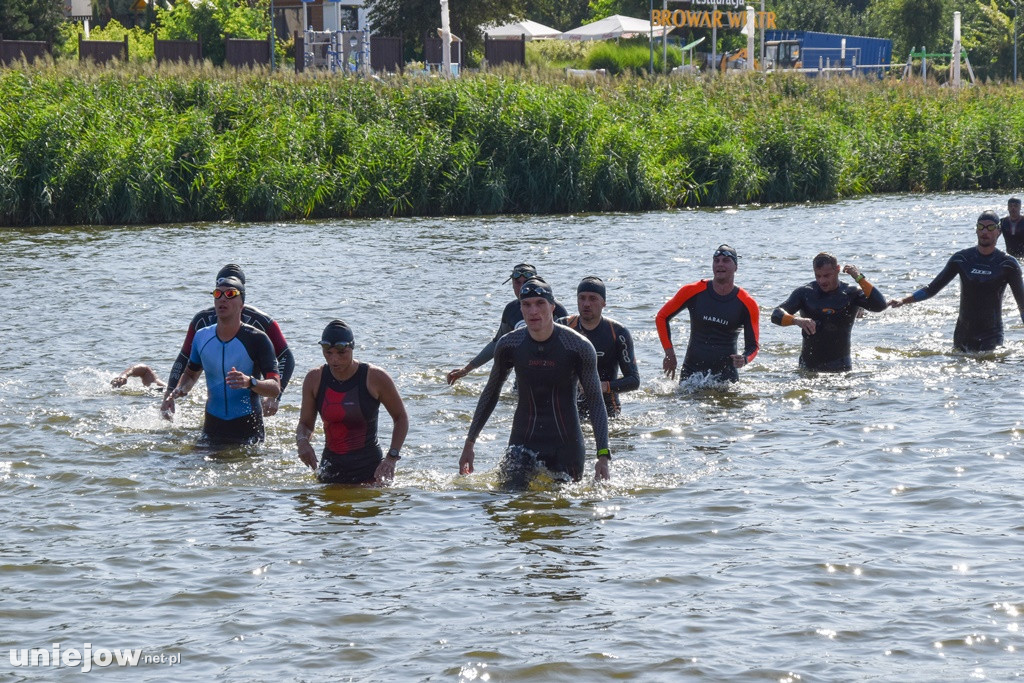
pixel 226 293
pixel 725 252
pixel 341 346
pixel 982 226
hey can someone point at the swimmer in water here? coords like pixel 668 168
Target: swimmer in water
pixel 143 372
pixel 548 360
pixel 510 317
pixel 235 357
pixel 984 273
pixel 825 311
pixel 250 316
pixel 718 311
pixel 347 396
pixel 612 343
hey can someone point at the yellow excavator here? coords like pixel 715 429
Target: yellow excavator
pixel 779 55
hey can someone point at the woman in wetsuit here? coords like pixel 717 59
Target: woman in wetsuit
pixel 347 396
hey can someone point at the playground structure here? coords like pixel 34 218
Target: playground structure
pixel 958 51
pixel 345 51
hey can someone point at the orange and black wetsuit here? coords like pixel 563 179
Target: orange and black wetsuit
pixel 828 349
pixel 614 347
pixel 715 323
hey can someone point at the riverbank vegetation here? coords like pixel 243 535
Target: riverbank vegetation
pixel 137 145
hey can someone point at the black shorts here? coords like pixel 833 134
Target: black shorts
pixel 238 432
pixel 521 463
pixel 357 467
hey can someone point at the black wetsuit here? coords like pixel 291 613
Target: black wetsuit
pixel 1013 236
pixel 233 416
pixel 546 421
pixel 983 280
pixel 715 323
pixel 250 316
pixel 510 317
pixel 828 349
pixel 351 452
pixel 614 347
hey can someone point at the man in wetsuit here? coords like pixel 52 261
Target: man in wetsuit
pixel 235 356
pixel 548 360
pixel 509 318
pixel 250 316
pixel 1012 228
pixel 718 310
pixel 612 342
pixel 825 311
pixel 984 274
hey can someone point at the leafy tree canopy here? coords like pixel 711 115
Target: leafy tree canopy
pixel 31 19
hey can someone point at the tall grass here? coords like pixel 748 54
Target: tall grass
pixel 137 145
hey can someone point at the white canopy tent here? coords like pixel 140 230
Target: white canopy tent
pixel 531 29
pixel 615 26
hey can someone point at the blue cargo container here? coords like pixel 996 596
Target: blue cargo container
pixel 809 50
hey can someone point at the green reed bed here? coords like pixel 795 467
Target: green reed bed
pixel 134 145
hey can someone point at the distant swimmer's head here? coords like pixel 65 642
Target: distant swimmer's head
pixel 225 285
pixel 594 284
pixel 231 270
pixel 337 334
pixel 1013 201
pixel 537 287
pixel 522 271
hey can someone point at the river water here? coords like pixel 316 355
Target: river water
pixel 863 526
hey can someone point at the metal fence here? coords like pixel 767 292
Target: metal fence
pixel 102 51
pixel 177 50
pixel 30 50
pixel 505 51
pixel 245 52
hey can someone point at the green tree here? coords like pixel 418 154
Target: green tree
pixel 641 9
pixel 912 24
pixel 31 19
pixel 211 21
pixel 987 35
pixel 563 15
pixel 827 16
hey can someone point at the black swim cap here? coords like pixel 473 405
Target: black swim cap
pixel 231 270
pixel 726 250
pixel 989 216
pixel 1013 200
pixel 232 281
pixel 526 270
pixel 592 283
pixel 337 332
pixel 534 287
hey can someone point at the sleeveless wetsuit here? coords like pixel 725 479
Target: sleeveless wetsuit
pixel 510 317
pixel 250 316
pixel 715 323
pixel 1013 236
pixel 351 452
pixel 233 416
pixel 614 347
pixel 828 349
pixel 983 280
pixel 546 421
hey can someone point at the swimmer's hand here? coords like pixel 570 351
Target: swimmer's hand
pixel 738 361
pixel 236 379
pixel 457 374
pixel 669 363
pixel 466 461
pixel 270 405
pixel 602 469
pixel 306 453
pixel 806 324
pixel 852 271
pixel 895 303
pixel 167 407
pixel 119 381
pixel 385 471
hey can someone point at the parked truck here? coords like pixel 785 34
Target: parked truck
pixel 811 51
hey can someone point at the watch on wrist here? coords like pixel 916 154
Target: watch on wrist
pixel 604 453
pixel 252 381
pixel 393 453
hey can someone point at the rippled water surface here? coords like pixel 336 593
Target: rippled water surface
pixel 863 526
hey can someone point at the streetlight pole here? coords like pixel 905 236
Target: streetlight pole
pixel 1014 41
pixel 650 18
